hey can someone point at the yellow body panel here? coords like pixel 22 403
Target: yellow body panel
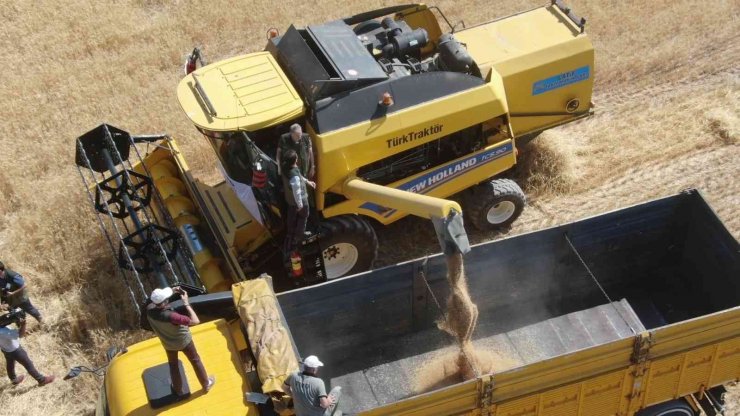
pixel 125 391
pixel 544 61
pixel 683 358
pixel 344 151
pixel 247 92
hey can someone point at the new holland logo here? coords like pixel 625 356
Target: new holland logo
pixel 442 176
pixel 436 177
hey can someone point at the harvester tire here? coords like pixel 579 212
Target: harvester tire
pixel 495 204
pixel 349 245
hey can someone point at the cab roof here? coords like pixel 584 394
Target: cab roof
pixel 124 385
pixel 247 92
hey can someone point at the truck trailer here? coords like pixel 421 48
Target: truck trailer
pixel 631 311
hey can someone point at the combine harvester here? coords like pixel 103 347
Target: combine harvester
pixel 400 115
pixel 595 317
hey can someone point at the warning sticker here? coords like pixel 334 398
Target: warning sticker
pixel 561 80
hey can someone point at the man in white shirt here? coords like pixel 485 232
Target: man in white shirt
pixel 13 351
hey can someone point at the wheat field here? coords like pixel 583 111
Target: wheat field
pixel 667 95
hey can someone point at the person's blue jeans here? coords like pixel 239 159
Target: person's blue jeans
pixel 21 358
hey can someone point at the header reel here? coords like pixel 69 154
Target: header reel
pixel 150 252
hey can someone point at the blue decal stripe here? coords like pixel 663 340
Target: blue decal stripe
pixel 561 80
pixel 445 180
pixel 502 151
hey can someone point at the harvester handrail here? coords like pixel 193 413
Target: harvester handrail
pixel 202 93
pixel 579 21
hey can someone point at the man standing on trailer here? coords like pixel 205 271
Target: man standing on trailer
pixel 173 330
pixel 309 391
pixel 14 292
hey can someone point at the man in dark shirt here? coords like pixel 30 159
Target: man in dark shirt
pixel 14 292
pixel 299 142
pixel 173 330
pixel 309 392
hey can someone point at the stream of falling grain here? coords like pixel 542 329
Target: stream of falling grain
pixel 460 320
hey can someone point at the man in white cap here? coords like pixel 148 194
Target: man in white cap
pixel 173 331
pixel 309 392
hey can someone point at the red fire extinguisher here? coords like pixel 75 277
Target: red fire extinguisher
pixel 259 176
pixel 192 60
pixel 296 267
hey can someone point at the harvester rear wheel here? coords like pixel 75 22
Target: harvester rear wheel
pixel 495 204
pixel 349 245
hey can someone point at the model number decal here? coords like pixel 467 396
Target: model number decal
pixel 414 135
pixel 561 80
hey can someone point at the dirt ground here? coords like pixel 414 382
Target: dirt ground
pixel 667 95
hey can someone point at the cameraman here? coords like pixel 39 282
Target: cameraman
pixel 173 331
pixel 13 352
pixel 14 292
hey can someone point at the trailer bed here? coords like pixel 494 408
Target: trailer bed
pixel 661 264
pixel 396 380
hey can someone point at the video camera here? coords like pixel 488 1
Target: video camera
pixel 14 316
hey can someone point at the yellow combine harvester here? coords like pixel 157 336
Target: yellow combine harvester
pixel 454 105
pixel 400 115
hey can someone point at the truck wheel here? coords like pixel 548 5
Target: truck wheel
pixel 495 204
pixel 349 245
pixel 673 408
